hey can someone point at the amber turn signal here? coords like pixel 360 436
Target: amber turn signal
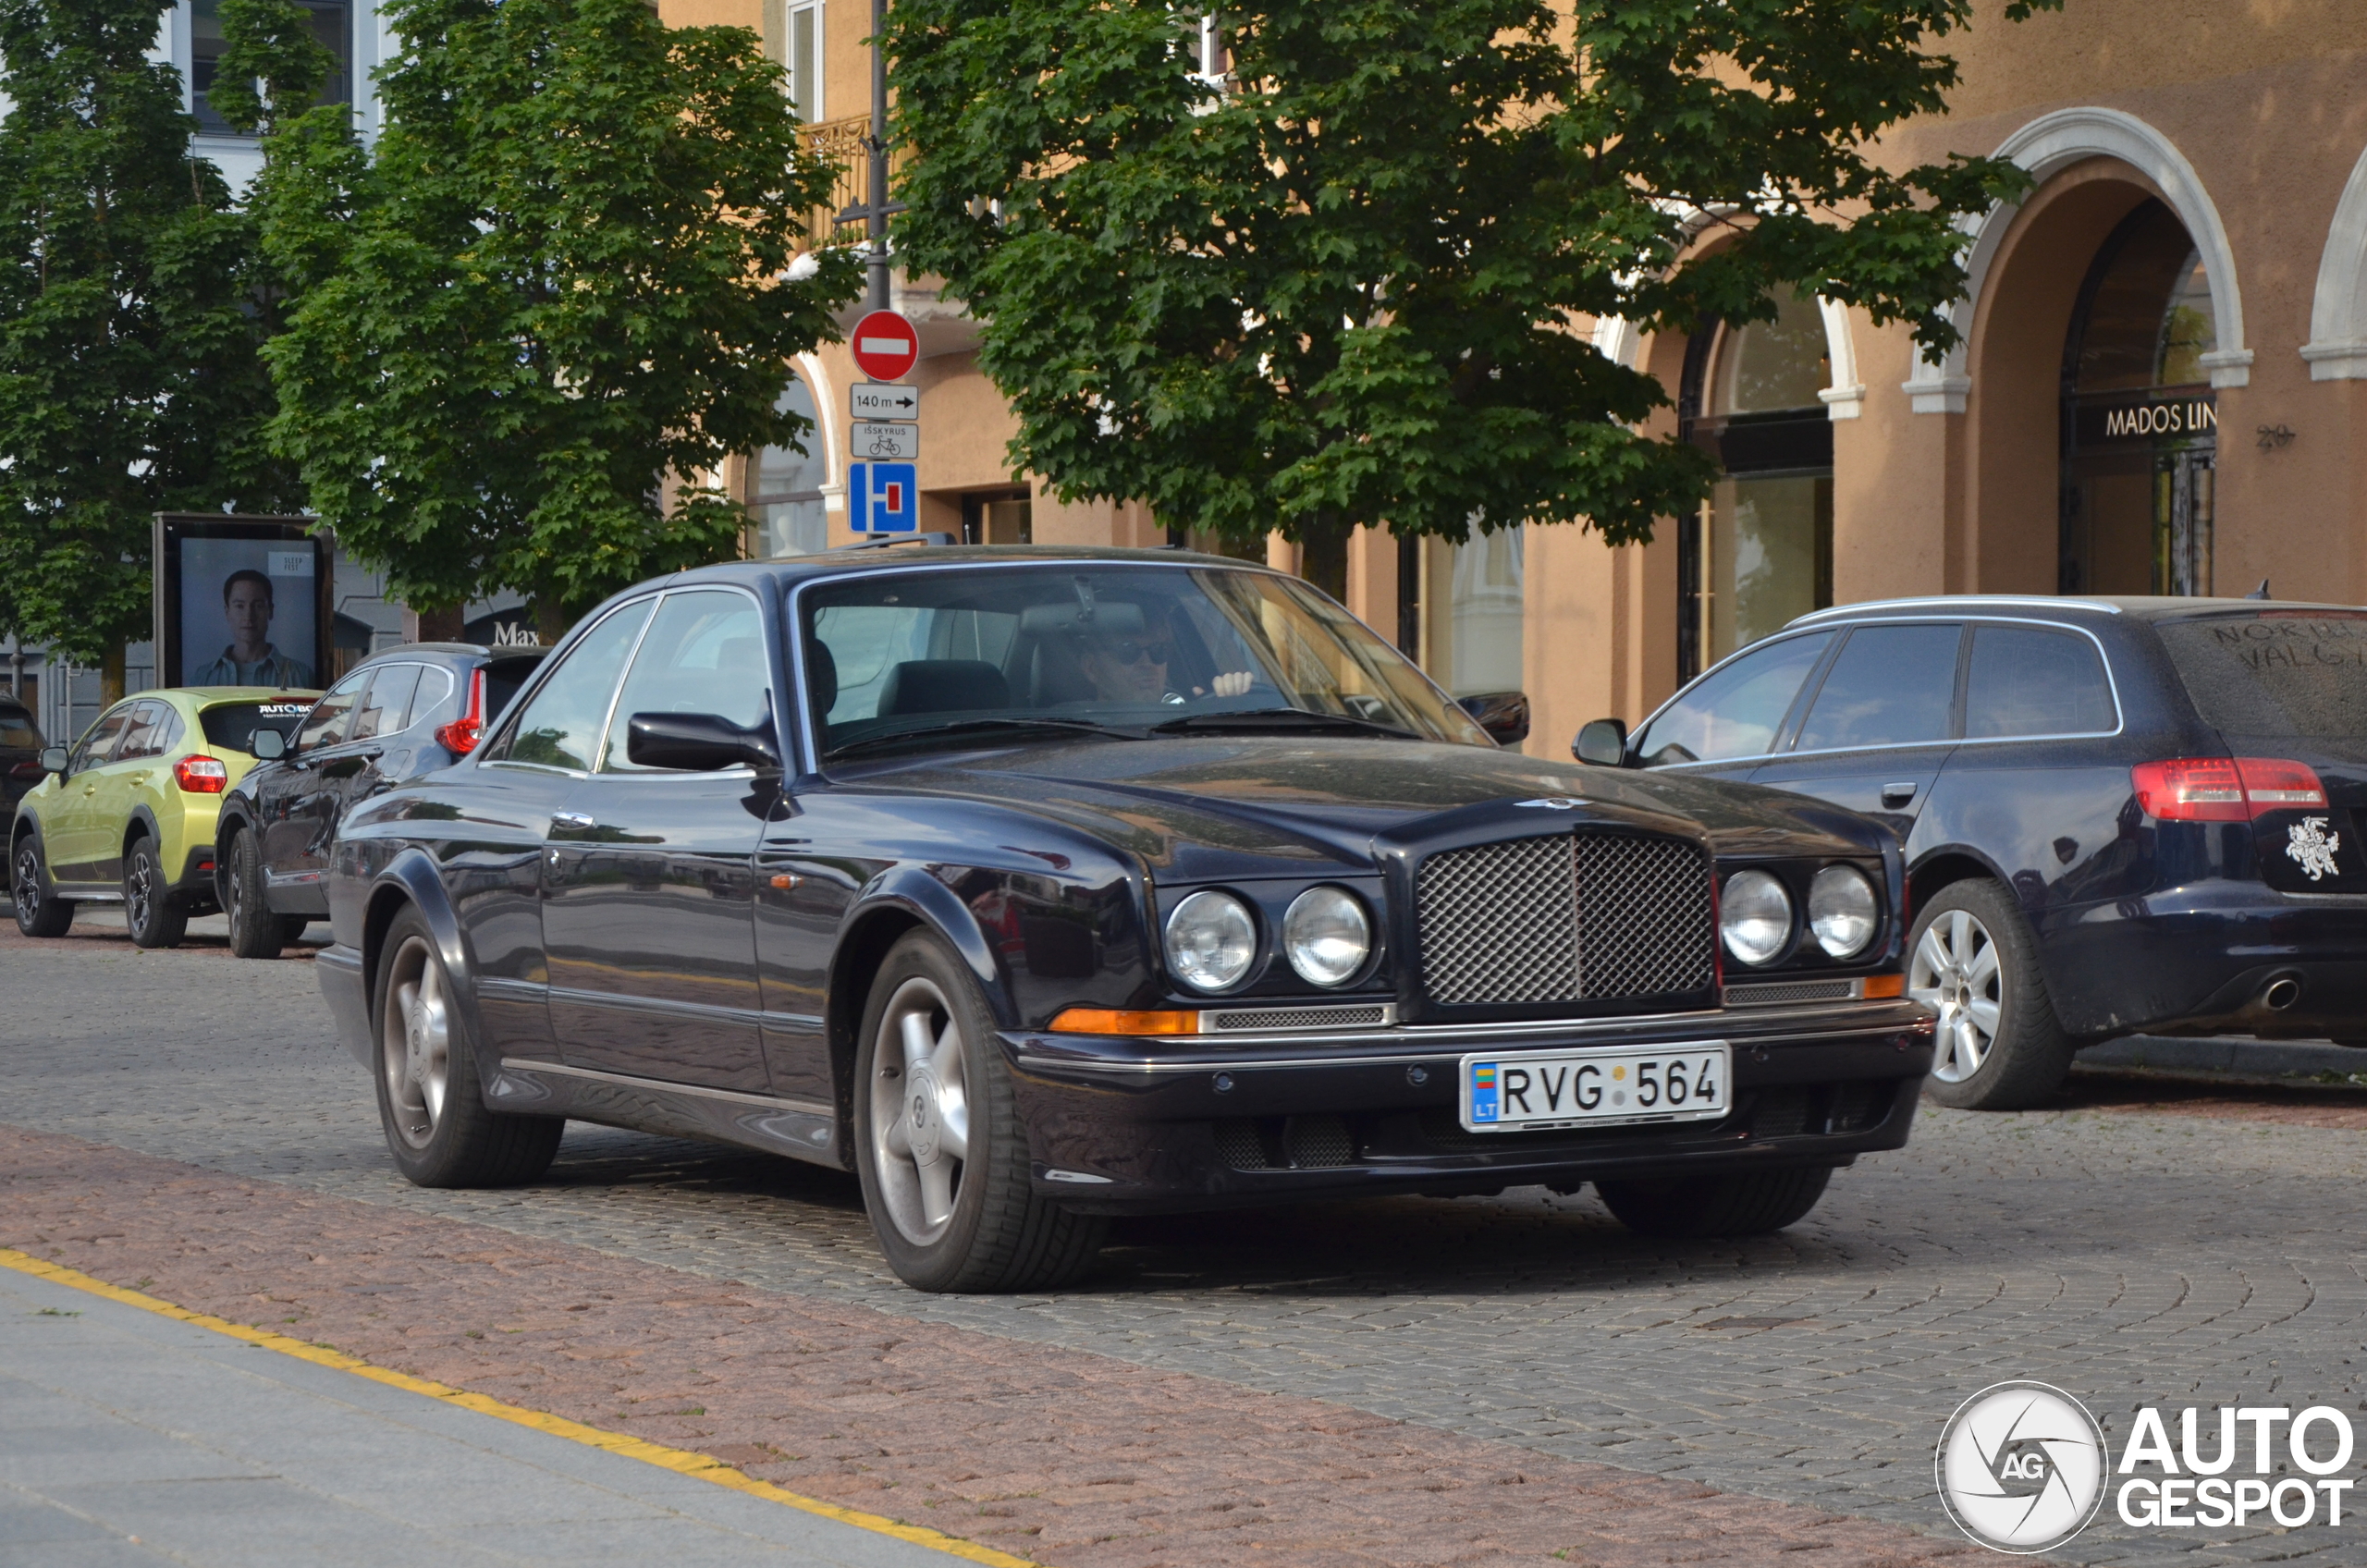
pixel 1885 985
pixel 1107 1020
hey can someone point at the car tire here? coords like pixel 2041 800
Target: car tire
pixel 431 1099
pixel 40 912
pixel 151 914
pixel 255 932
pixel 969 1221
pixel 1693 1207
pixel 1970 957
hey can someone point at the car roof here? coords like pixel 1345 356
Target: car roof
pixel 207 696
pixel 458 652
pixel 2144 607
pixel 856 558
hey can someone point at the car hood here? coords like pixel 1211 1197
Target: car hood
pixel 1201 807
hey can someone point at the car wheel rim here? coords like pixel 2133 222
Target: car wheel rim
pixel 1958 972
pixel 25 889
pixel 920 1111
pixel 235 908
pixel 135 892
pixel 416 1043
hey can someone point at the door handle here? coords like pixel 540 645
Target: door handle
pixel 1896 795
pixel 570 819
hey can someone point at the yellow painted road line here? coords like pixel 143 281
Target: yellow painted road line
pixel 678 1460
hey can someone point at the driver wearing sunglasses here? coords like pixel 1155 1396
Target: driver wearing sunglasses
pixel 1134 669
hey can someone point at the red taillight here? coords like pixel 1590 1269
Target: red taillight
pixel 201 776
pixel 461 736
pixel 2225 788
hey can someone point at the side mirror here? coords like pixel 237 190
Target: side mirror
pixel 1602 743
pixel 698 743
pixel 269 744
pixel 53 759
pixel 1504 715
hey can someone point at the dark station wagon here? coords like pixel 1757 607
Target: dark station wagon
pixel 1041 886
pixel 2119 814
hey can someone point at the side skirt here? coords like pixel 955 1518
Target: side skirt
pixel 799 1128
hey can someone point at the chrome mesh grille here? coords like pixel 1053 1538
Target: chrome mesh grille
pixel 1766 993
pixel 1564 917
pixel 1294 1018
pixel 1500 922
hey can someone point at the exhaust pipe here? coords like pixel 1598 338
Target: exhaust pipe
pixel 2280 993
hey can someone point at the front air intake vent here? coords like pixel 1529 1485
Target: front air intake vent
pixel 1564 918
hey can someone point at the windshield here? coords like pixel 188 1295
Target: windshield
pixel 1126 648
pixel 232 726
pixel 2274 672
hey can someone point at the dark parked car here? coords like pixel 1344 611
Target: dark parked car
pixel 2119 814
pixel 1040 886
pixel 395 715
pixel 20 749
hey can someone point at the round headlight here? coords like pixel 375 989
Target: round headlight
pixel 1327 935
pixel 1843 910
pixel 1211 941
pixel 1754 916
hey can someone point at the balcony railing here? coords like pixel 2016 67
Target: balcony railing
pixel 841 141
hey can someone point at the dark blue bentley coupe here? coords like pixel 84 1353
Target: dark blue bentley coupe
pixel 1040 886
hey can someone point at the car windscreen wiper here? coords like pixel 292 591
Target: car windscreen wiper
pixel 1259 721
pixel 959 725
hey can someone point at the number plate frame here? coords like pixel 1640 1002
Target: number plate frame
pixel 1473 1095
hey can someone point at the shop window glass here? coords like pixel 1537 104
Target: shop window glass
pixel 2140 423
pixel 1473 612
pixel 1760 552
pixel 785 485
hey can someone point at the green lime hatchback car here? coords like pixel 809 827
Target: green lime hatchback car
pixel 127 817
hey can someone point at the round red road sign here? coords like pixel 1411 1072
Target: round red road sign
pixel 885 347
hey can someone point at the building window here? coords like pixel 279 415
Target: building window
pixel 332 24
pixel 793 28
pixel 1760 552
pixel 785 487
pixel 2139 421
pixel 1466 607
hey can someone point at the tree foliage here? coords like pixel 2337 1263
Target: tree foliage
pixel 558 281
pixel 130 315
pixel 1341 290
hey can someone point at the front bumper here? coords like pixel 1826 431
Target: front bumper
pixel 1129 1125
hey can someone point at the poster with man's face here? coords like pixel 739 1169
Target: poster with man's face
pixel 248 610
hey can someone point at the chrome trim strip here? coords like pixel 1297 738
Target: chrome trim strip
pixel 1932 603
pixel 665 1086
pixel 1228 1064
pixel 651 1007
pixel 1834 1013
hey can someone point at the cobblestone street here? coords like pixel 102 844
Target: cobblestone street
pixel 2139 1245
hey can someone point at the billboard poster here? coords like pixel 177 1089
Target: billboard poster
pixel 242 601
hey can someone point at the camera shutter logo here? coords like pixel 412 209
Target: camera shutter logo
pixel 2022 1467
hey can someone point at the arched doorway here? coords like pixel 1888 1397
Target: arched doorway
pixel 1760 550
pixel 2140 422
pixel 785 485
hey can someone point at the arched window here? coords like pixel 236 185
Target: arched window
pixel 785 487
pixel 1760 550
pixel 2139 420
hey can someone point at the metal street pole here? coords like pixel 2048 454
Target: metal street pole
pixel 875 214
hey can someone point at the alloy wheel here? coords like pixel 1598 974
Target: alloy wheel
pixel 920 1110
pixel 235 903
pixel 139 893
pixel 415 1042
pixel 1956 971
pixel 24 886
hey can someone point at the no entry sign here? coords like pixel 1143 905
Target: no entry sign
pixel 886 346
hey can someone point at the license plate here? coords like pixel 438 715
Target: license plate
pixel 1540 1089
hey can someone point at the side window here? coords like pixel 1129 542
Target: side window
pixel 2026 681
pixel 1891 686
pixel 562 724
pixel 98 744
pixel 387 708
pixel 434 698
pixel 325 725
pixel 153 729
pixel 1736 711
pixel 864 641
pixel 704 653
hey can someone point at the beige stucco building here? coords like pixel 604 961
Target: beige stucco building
pixel 2163 385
